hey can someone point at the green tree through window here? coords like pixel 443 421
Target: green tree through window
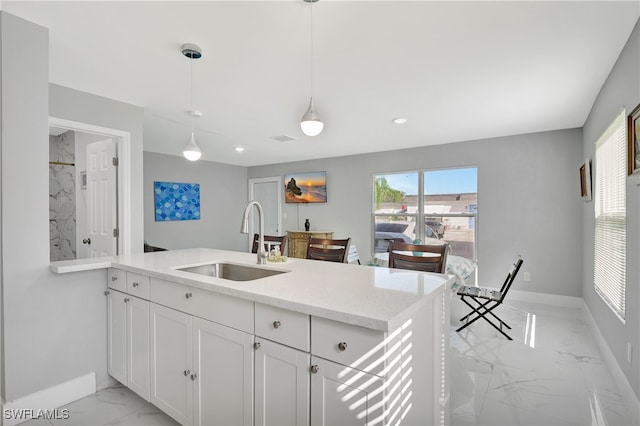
pixel 384 193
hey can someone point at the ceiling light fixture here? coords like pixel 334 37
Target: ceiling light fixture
pixel 239 149
pixel 311 123
pixel 192 151
pixel 399 120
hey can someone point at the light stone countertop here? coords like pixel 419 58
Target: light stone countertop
pixel 371 297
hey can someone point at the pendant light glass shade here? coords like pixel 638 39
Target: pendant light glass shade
pixel 311 123
pixel 192 151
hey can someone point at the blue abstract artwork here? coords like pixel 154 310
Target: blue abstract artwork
pixel 176 201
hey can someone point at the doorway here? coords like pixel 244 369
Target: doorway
pixel 268 192
pixel 88 208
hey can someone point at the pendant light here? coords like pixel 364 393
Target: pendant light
pixel 192 151
pixel 311 123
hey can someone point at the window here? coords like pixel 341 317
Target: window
pixel 610 215
pixel 445 202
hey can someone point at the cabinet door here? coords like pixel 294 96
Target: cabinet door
pixel 282 385
pixel 298 244
pixel 117 336
pixel 138 346
pixel 171 356
pixel 341 395
pixel 222 374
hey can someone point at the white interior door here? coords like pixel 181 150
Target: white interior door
pixel 268 192
pixel 101 199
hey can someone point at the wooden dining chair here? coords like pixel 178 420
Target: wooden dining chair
pixel 267 239
pixel 328 250
pixel 410 256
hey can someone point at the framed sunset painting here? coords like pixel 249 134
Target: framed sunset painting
pixel 309 187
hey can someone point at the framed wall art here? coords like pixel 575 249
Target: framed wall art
pixel 633 141
pixel 310 187
pixel 176 201
pixel 585 180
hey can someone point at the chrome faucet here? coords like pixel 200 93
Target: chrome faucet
pixel 244 229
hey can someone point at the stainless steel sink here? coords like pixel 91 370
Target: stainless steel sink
pixel 231 271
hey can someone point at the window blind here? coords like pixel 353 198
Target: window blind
pixel 610 215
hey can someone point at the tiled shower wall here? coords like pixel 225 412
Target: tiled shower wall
pixel 62 197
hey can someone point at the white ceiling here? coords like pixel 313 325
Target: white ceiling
pixel 457 70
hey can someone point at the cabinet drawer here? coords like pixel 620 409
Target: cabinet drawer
pixel 350 345
pixel 138 285
pixel 117 279
pixel 283 326
pixel 226 310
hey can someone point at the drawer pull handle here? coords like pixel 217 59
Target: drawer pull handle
pixel 126 299
pixel 194 376
pixel 277 324
pixel 114 278
pixel 315 369
pixel 135 284
pixel 187 372
pixel 256 345
pixel 188 295
pixel 106 292
pixel 342 346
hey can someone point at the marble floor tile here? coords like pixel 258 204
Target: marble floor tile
pixel 552 373
pixel 111 406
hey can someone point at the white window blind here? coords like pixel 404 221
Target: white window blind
pixel 611 214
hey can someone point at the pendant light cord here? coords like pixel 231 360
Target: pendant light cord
pixel 311 33
pixel 191 91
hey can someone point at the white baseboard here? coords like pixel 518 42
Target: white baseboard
pixel 629 396
pixel 547 299
pixel 49 399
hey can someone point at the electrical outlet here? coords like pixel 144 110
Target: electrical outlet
pixel 284 215
pixel 527 276
pixel 629 352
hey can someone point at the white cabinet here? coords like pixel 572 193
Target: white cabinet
pixel 357 347
pixel 345 396
pixel 138 346
pixel 191 352
pixel 223 364
pixel 282 385
pixel 117 336
pixel 171 353
pixel 227 310
pixel 202 372
pixel 127 337
pixel 283 326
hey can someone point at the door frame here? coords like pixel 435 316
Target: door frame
pixel 252 182
pixel 123 173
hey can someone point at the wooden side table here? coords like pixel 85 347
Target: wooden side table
pixel 298 241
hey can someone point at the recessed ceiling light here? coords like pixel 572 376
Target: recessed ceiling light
pixel 399 120
pixel 239 149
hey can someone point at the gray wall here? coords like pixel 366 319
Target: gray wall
pixel 84 107
pixel 223 195
pixel 54 325
pixel 622 89
pixel 528 202
pixel 2 381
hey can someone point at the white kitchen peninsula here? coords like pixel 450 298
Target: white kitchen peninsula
pixel 315 343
